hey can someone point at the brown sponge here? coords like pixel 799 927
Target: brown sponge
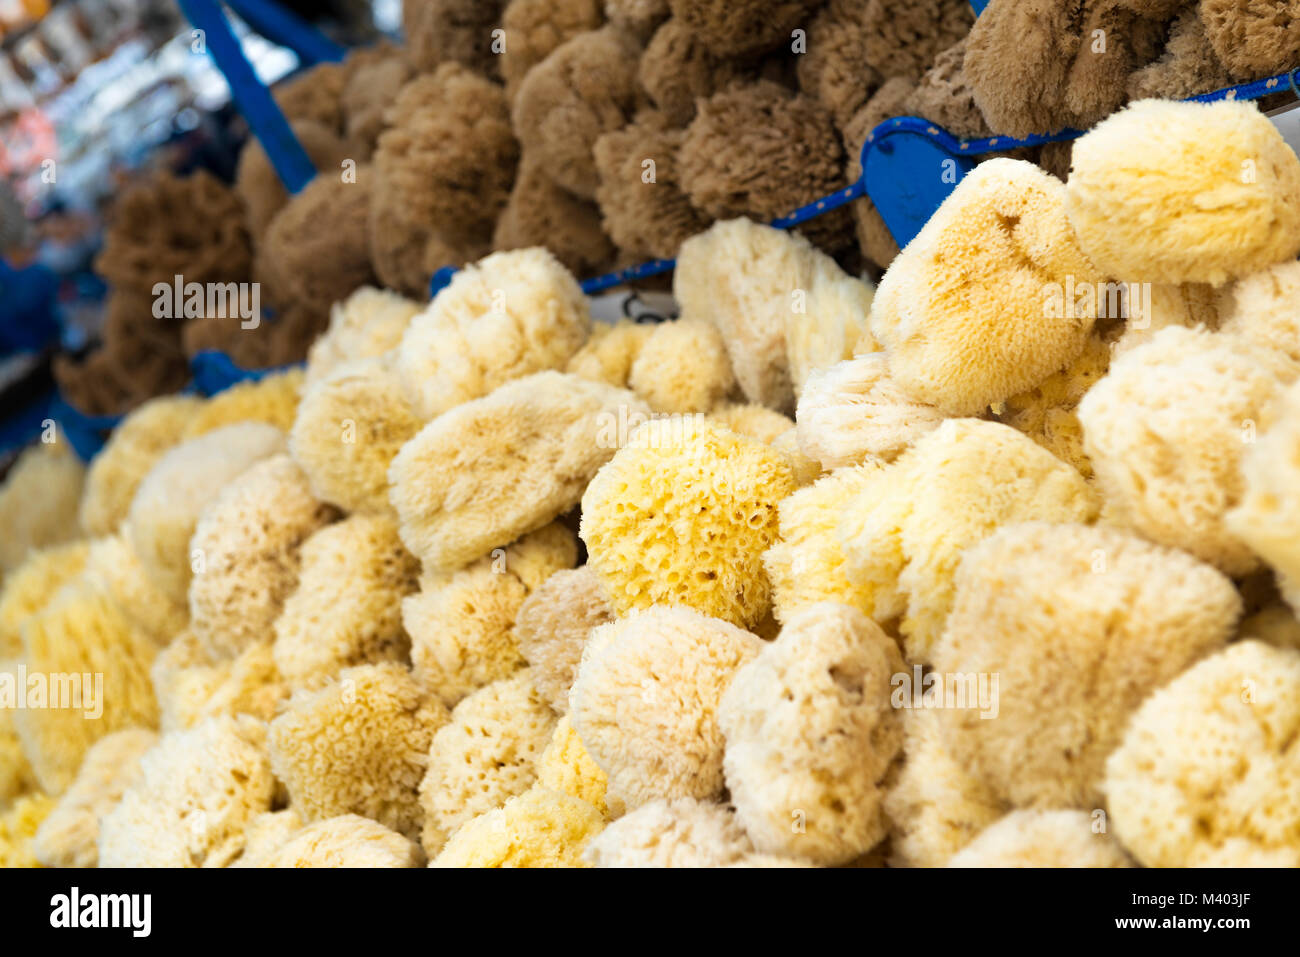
pixel 944 97
pixel 534 28
pixel 586 87
pixel 258 185
pixel 1189 65
pixel 452 31
pixel 645 220
pixel 371 89
pixel 836 70
pixel 540 213
pixel 906 35
pixel 1255 38
pixel 679 66
pixel 743 27
pixel 761 151
pixel 314 95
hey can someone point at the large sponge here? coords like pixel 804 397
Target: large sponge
pixel 811 733
pixel 645 701
pixel 682 515
pixel 1168 461
pixel 1098 615
pixel 357 746
pixel 39 501
pixel 1185 192
pixel 965 310
pixel 499 467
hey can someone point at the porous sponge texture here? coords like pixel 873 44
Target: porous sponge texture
pixel 351 423
pixel 1253 37
pixel 18 825
pixel 682 515
pixel 681 832
pixel 39 501
pixel 30 587
pixel 904 539
pixel 1215 199
pixel 271 399
pixel 609 353
pixel 1048 838
pixel 195 793
pixel 358 746
pixel 512 314
pixel 854 411
pixel 963 309
pixel 566 766
pixel 484 756
pixel 348 840
pixel 172 496
pixel 742 28
pixel 829 323
pixel 1098 615
pixel 539 828
pixel 128 455
pixel 69 835
pixel 534 28
pixel 1263 308
pixel 494 469
pixel 683 367
pixel 645 701
pixel 552 628
pixel 1268 514
pixel 247 542
pixel 82 635
pixel 810 735
pixel 462 626
pixel 1206 773
pixel 114 567
pixel 346 609
pixel 367 324
pixel 541 213
pixel 1169 462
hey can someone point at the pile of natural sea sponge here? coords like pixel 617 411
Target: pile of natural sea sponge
pixel 493 584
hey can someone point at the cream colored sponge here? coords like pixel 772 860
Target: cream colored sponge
pixel 509 315
pixel 357 746
pixel 552 628
pixel 348 840
pixel 1168 458
pixel 1209 769
pixel 645 701
pixel 494 469
pixel 683 367
pixel 682 832
pixel 966 310
pixel 1097 615
pixel 1043 839
pixel 1168 192
pixel 682 515
pixel 367 324
pixel 30 587
pixel 810 735
pixel 39 501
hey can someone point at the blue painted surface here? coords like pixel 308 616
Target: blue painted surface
pixel 86 433
pixel 215 372
pixel 978 6
pixel 286 28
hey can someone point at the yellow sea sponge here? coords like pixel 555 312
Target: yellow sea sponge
pixel 682 367
pixel 829 323
pixel 357 746
pixel 1167 460
pixel 682 832
pixel 1207 771
pixel 811 734
pixel 172 496
pixel 351 423
pixel 854 411
pixel 484 756
pixel 609 353
pixel 645 701
pixel 462 626
pixel 115 567
pixel 195 793
pixel 96 668
pixel 69 836
pixel 347 607
pixel 367 324
pixel 348 840
pixel 273 399
pixel 966 311
pixel 807 564
pixel 190 686
pixel 246 554
pixel 30 587
pixel 1098 615
pixel 16 774
pixel 566 766
pixel 955 487
pixel 755 421
pixel 499 467
pixel 682 515
pixel 39 502
pixel 552 626
pixel 18 825
pixel 1042 839
pixel 1172 192
pixel 128 455
pixel 539 828
pixel 509 315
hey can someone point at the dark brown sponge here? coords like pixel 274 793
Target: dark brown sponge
pixel 542 214
pixel 735 28
pixel 678 67
pixel 258 184
pixel 534 28
pixel 904 36
pixel 452 31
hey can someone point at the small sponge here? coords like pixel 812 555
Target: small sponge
pixel 534 28
pixel 272 399
pixel 196 792
pixel 1043 839
pixel 367 324
pixel 114 567
pixel 552 629
pixel 510 315
pixel 499 467
pixel 966 310
pixel 539 828
pixel 682 515
pixel 682 367
pixel 1207 772
pixel 1170 192
pixel 645 701
pixel 682 832
pixel 811 733
pixel 742 27
pixel 609 353
pixel 1265 308
pixel 39 501
pixel 357 746
pixel 1168 461
pixel 18 826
